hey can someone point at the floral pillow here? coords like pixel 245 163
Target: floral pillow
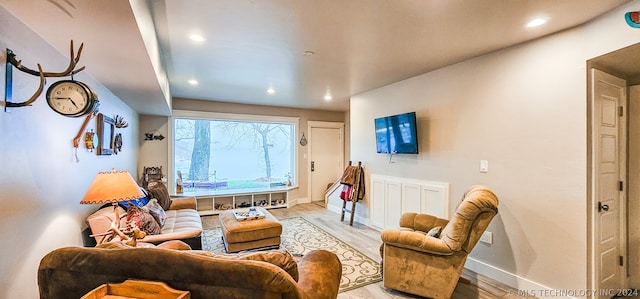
pixel 143 220
pixel 154 208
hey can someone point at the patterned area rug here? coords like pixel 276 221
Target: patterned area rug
pixel 300 236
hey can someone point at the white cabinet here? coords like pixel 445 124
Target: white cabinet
pixel 212 204
pixel 392 196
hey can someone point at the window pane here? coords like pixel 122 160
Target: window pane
pixel 233 154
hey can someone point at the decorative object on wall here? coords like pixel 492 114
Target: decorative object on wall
pixel 72 98
pixel 120 123
pixel 76 140
pixel 112 187
pixel 13 62
pixel 106 135
pixel 90 140
pixel 117 144
pixel 152 174
pixel 633 19
pixel 303 140
pixel 153 135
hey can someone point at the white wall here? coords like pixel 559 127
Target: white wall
pixel 524 109
pixel 41 185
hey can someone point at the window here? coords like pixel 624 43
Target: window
pixel 213 151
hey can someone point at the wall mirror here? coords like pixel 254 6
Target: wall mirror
pixel 106 134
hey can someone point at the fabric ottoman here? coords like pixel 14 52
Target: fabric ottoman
pixel 250 234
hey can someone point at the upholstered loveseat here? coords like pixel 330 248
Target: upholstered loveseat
pixel 182 219
pixel 74 271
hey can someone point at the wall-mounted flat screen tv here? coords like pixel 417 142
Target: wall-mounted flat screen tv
pixel 397 134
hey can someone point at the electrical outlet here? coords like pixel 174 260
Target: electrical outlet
pixel 487 237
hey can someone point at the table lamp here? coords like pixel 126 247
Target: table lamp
pixel 112 187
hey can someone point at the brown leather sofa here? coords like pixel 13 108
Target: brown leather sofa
pixel 418 263
pixel 72 272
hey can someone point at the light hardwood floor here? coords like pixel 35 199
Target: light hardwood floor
pixel 367 241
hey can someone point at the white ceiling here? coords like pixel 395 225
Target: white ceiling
pixel 252 45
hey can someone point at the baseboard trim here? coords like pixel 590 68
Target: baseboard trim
pixel 338 210
pixel 303 200
pixel 522 285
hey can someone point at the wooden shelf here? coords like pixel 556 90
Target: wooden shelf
pixel 216 201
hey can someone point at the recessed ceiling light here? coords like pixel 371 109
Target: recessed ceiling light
pixel 270 90
pixel 328 97
pixel 197 38
pixel 309 53
pixel 193 82
pixel 537 22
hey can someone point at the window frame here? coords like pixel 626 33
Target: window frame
pixel 295 121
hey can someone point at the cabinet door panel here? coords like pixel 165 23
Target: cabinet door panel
pixel 411 201
pixel 377 203
pixel 435 201
pixel 393 207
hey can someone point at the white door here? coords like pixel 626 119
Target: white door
pixel 326 157
pixel 609 160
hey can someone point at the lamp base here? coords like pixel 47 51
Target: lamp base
pixel 114 229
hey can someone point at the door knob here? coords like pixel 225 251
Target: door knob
pixel 602 207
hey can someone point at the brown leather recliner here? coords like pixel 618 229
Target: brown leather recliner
pixel 417 263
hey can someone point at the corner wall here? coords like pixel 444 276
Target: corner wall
pixel 524 109
pixel 41 183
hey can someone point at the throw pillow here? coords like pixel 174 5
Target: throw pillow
pixel 154 208
pixel 143 220
pixel 159 191
pixel 435 232
pixel 280 258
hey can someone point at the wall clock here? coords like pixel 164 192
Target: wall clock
pixel 71 98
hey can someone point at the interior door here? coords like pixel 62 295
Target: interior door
pixel 326 158
pixel 609 160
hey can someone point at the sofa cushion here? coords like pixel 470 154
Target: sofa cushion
pixel 180 225
pixel 143 220
pixel 159 191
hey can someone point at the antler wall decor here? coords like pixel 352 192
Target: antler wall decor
pixel 12 61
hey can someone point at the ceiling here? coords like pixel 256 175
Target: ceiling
pixel 250 45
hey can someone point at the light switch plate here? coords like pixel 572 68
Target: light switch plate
pixel 484 166
pixel 487 237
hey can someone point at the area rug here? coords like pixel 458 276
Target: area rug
pixel 299 236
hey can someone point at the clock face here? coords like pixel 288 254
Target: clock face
pixel 71 98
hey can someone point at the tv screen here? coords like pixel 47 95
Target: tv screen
pixel 397 134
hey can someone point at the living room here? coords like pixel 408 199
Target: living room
pixel 524 109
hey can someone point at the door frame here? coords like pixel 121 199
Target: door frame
pixel 326 125
pixel 592 182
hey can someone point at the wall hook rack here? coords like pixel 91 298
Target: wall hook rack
pixel 12 62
